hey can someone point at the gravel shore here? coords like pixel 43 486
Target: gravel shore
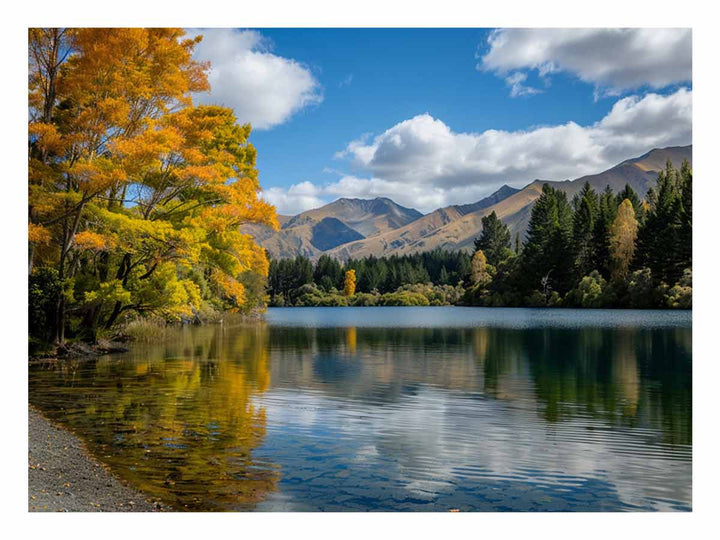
pixel 63 477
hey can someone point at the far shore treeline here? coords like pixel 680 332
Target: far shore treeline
pixel 599 250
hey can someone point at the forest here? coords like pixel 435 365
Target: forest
pixel 598 250
pixel 136 195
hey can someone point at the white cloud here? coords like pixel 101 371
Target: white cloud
pixel 263 88
pixel 297 198
pixel 423 164
pixel 612 59
pixel 517 88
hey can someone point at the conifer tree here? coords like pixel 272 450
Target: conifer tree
pixel 494 240
pixel 548 247
pixel 584 221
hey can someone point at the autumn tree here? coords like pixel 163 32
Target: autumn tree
pixel 623 233
pixel 349 286
pixel 135 194
pixel 480 276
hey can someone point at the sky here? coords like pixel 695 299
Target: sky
pixel 432 117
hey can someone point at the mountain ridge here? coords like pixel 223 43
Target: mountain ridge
pixel 388 229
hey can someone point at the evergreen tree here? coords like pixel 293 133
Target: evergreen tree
pixel 328 273
pixel 659 239
pixel 685 235
pixel 548 247
pixel 601 232
pixel 494 241
pixel 584 220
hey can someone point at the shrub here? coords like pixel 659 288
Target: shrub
pixel 593 291
pixel 680 295
pixel 404 298
pixel 643 292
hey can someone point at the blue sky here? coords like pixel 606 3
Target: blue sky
pixel 431 117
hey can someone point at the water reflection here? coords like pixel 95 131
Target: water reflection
pixel 288 417
pixel 178 421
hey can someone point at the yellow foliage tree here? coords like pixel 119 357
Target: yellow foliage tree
pixel 623 233
pixel 349 286
pixel 479 274
pixel 130 183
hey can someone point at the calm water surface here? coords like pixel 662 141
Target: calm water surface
pixel 426 409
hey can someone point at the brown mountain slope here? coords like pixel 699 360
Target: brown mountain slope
pixel 445 228
pixel 344 220
pixel 411 237
pixel 449 230
pixel 366 216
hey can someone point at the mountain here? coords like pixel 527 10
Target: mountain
pixel 342 221
pixel 438 229
pixel 356 228
pixel 451 228
pixel 332 232
pixel 366 216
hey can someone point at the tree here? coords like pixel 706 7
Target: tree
pixel 135 195
pixel 480 276
pixel 349 287
pixel 494 241
pixel 685 233
pixel 584 220
pixel 623 233
pixel 548 248
pixel 601 232
pixel 659 238
pixel 629 193
pixel 328 273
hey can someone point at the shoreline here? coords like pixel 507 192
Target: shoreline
pixel 64 477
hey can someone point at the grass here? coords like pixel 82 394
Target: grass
pixel 145 329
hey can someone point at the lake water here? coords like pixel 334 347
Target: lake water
pixel 395 409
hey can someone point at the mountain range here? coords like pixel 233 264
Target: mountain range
pixel 356 228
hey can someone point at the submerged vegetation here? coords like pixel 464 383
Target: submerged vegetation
pixel 598 250
pixel 135 194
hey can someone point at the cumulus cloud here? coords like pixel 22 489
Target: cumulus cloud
pixel 295 199
pixel 423 164
pixel 612 59
pixel 263 88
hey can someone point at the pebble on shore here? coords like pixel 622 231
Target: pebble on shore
pixel 63 477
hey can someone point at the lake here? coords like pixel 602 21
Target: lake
pixel 395 409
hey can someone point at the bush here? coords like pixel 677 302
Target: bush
pixel 365 299
pixel 593 291
pixel 680 295
pixel 643 292
pixel 404 298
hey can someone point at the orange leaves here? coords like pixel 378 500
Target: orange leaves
pixel 46 137
pixel 37 234
pixel 93 241
pixel 229 287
